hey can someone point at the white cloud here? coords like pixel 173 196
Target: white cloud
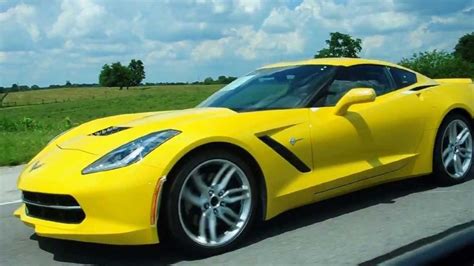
pixel 208 50
pixel 253 44
pixel 50 42
pixel 249 6
pixel 280 20
pixel 370 43
pixel 78 18
pixel 162 51
pixel 382 22
pixel 20 18
pixel 3 57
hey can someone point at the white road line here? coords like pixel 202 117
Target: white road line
pixel 10 202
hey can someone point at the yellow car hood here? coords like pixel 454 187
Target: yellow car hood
pixel 137 125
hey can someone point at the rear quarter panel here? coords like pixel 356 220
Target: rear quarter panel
pixel 441 100
pixel 447 97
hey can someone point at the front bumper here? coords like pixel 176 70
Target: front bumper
pixel 119 205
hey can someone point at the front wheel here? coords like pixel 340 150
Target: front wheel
pixel 453 158
pixel 210 204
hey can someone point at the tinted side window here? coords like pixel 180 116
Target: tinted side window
pixel 363 76
pixel 402 77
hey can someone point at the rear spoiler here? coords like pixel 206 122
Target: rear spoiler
pixel 455 81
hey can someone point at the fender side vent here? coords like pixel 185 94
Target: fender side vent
pixel 108 131
pixel 419 88
pixel 289 156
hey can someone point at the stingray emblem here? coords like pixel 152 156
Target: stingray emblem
pixel 36 165
pixel 293 140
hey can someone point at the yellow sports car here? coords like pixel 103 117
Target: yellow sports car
pixel 283 136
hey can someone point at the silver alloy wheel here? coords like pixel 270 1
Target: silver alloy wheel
pixel 457 148
pixel 215 203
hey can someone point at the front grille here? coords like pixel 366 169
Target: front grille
pixel 53 207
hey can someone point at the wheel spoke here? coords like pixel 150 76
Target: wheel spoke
pixel 200 185
pixel 219 174
pixel 230 212
pixel 457 164
pixel 464 137
pixel 449 160
pixel 226 220
pixel 212 224
pixel 465 153
pixel 453 132
pixel 202 225
pixel 243 191
pixel 447 153
pixel 226 179
pixel 193 199
pixel 236 199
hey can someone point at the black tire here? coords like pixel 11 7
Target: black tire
pixel 170 215
pixel 442 174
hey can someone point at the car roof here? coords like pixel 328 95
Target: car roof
pixel 339 61
pixel 344 61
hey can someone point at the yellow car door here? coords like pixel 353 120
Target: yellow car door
pixel 370 139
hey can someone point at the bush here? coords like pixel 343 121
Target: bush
pixel 8 125
pixel 439 64
pixel 25 124
pixel 68 122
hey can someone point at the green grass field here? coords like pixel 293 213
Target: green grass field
pixel 37 116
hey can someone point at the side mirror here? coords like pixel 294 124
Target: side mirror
pixel 354 96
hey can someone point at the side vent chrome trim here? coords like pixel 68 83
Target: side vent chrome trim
pixel 419 88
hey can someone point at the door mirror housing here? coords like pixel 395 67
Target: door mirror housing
pixel 354 96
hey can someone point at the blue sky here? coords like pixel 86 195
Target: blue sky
pixel 49 42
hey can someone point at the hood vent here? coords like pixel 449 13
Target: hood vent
pixel 108 131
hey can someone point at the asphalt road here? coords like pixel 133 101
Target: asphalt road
pixel 367 226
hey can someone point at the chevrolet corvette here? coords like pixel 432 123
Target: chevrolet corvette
pixel 282 136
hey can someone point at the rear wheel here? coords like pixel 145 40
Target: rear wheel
pixel 453 158
pixel 210 204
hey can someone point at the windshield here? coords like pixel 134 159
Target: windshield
pixel 272 88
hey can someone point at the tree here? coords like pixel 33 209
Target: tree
pixel 221 80
pixel 35 87
pixel 208 81
pixel 120 75
pixel 15 87
pixel 465 47
pixel 439 64
pixel 115 75
pixel 137 72
pixel 23 88
pixel 105 77
pixel 340 45
pixel 68 84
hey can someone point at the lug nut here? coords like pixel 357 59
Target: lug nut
pixel 215 211
pixel 206 206
pixel 221 193
pixel 211 192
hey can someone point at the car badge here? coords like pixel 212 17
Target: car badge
pixel 36 165
pixel 293 140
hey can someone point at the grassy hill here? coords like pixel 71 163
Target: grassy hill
pixel 35 117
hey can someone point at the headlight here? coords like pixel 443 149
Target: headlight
pixel 131 152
